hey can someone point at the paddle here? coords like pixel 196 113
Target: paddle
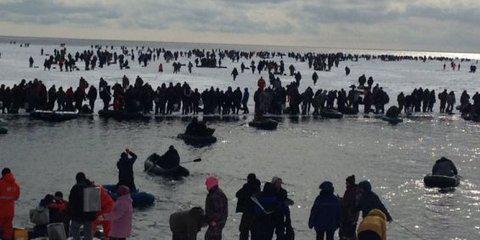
pixel 255 200
pixel 192 161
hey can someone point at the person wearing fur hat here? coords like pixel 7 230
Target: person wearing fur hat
pixel 325 213
pixel 373 226
pixel 216 209
pixel 186 224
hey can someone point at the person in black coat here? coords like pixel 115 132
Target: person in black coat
pixel 368 200
pixel 246 95
pixel 281 220
pixel 170 159
pixel 125 169
pixel 246 206
pixel 267 206
pixel 92 96
pixel 444 167
pixel 443 100
pixel 76 208
pixel 401 101
pixel 325 212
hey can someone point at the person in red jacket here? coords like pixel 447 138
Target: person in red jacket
pixel 9 193
pixel 106 207
pixel 261 84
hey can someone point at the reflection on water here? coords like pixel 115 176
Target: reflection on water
pixel 303 151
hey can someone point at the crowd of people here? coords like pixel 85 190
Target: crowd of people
pixel 423 101
pixel 101 56
pixel 141 97
pixel 265 211
pixel 172 97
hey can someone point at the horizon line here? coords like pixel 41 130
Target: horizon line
pixel 239 44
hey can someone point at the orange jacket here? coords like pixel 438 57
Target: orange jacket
pixel 9 193
pixel 106 201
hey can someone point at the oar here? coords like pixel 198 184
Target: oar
pixel 255 200
pixel 192 161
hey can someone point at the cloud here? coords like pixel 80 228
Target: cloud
pixel 407 24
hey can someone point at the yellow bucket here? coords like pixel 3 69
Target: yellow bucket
pixel 20 234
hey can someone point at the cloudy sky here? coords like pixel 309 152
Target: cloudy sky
pixel 438 25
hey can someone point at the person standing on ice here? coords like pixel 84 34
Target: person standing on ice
pixel 325 213
pixel 125 169
pixel 245 97
pixel 368 200
pixel 121 215
pixel 443 100
pixel 450 102
pixel 9 193
pixel 259 98
pixel 246 206
pixel 92 96
pixel 234 73
pixel 401 101
pixel 349 215
pixel 30 61
pixel 292 69
pixel 298 78
pixel 190 66
pixel 315 78
pixel 79 217
pixel 216 209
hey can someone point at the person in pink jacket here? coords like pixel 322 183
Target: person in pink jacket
pixel 121 215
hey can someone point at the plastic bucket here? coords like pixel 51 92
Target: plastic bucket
pixel 20 234
pixel 56 231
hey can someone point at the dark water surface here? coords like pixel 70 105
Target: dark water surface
pixel 45 158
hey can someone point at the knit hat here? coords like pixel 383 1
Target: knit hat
pixel 327 187
pixel 123 190
pixel 365 185
pixel 251 178
pixel 351 180
pixel 211 182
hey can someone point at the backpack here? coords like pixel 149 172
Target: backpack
pixel 39 216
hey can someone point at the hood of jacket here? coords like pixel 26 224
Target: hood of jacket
pixel 125 198
pixel 365 186
pixel 9 178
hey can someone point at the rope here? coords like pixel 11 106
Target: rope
pixel 410 231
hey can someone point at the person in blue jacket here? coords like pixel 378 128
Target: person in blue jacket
pixel 325 213
pixel 269 210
